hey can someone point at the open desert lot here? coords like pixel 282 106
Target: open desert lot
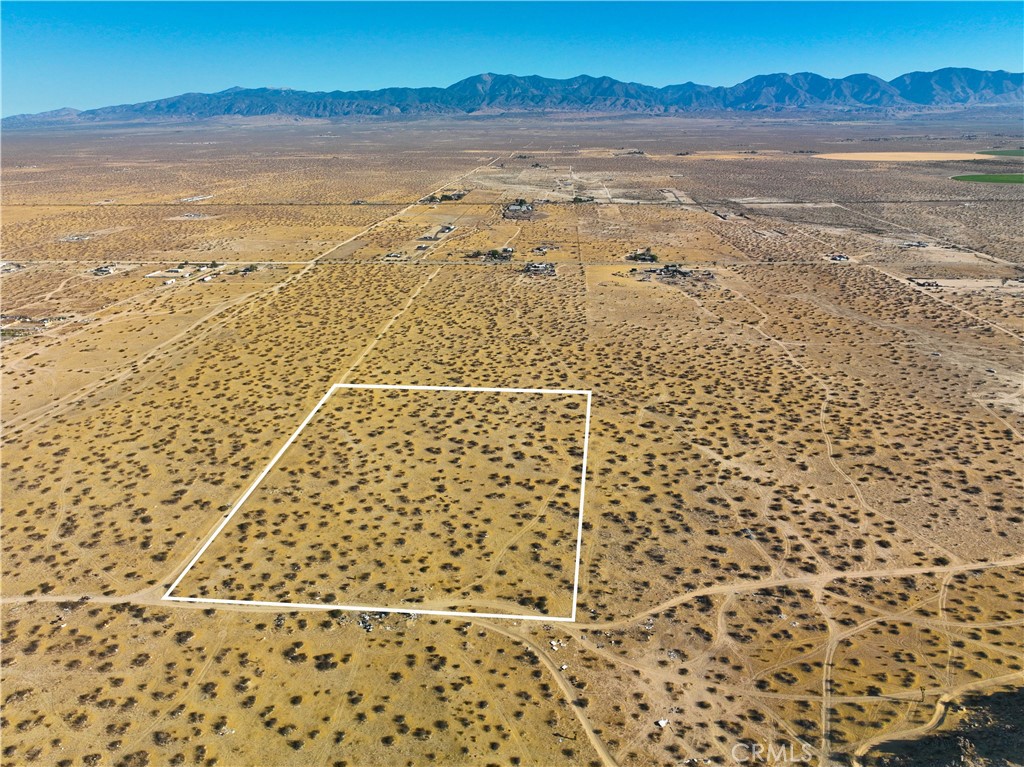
pixel 903 156
pixel 692 435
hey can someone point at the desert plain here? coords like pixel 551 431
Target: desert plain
pixel 801 534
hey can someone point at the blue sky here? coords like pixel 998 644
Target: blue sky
pixel 91 54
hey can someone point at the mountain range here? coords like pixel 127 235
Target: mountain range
pixel 489 93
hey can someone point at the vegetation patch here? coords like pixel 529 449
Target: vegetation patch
pixel 993 178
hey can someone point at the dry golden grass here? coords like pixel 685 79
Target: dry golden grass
pixel 440 500
pixel 902 156
pixel 803 518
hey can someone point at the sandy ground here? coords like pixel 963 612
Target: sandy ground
pixel 904 156
pixel 802 517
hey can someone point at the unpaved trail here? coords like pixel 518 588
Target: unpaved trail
pixel 387 325
pixel 607 760
pixel 204 324
pixel 808 581
pixel 938 715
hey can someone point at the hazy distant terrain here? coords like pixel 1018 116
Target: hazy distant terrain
pixel 949 88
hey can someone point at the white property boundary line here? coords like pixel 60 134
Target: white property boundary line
pixel 367 608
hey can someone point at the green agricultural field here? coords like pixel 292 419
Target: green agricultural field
pixel 993 178
pixel 1004 152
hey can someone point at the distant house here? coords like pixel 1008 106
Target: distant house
pixel 520 209
pixel 672 271
pixel 644 256
pixel 539 268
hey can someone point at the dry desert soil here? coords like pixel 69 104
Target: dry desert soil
pixel 797 465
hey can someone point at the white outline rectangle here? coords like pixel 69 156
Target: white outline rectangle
pixel 363 608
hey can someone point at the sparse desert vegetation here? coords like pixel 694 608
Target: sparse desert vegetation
pixel 803 518
pixel 459 501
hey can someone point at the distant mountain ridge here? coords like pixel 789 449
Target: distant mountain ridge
pixel 492 93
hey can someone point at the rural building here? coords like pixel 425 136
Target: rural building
pixel 520 209
pixel 671 270
pixel 644 256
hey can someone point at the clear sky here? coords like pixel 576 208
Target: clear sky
pixel 92 54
